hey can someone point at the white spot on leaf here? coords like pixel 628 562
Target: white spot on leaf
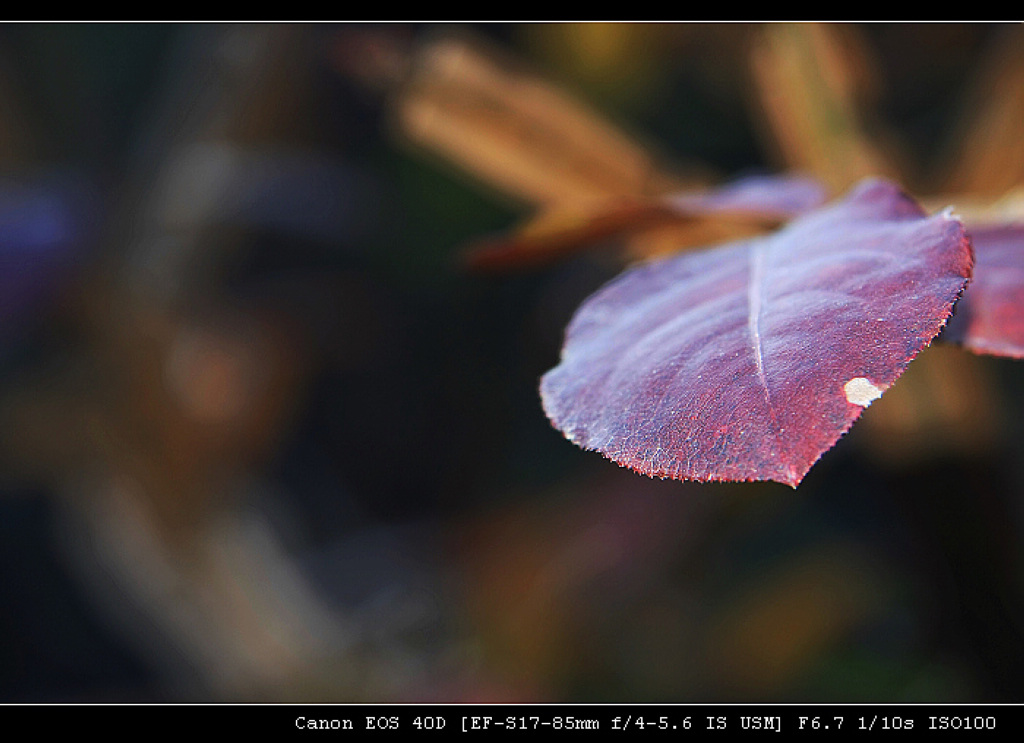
pixel 861 391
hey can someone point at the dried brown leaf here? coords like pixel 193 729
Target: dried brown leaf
pixel 519 134
pixel 809 79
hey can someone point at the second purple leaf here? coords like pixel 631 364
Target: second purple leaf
pixel 750 360
pixel 782 195
pixel 990 318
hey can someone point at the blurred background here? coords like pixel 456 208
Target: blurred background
pixel 265 436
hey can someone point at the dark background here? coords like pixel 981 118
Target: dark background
pixel 264 438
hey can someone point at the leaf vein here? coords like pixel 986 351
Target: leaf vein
pixel 755 302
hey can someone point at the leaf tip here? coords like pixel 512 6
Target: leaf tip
pixel 951 215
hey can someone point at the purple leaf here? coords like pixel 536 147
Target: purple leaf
pixel 748 361
pixel 781 195
pixel 990 317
